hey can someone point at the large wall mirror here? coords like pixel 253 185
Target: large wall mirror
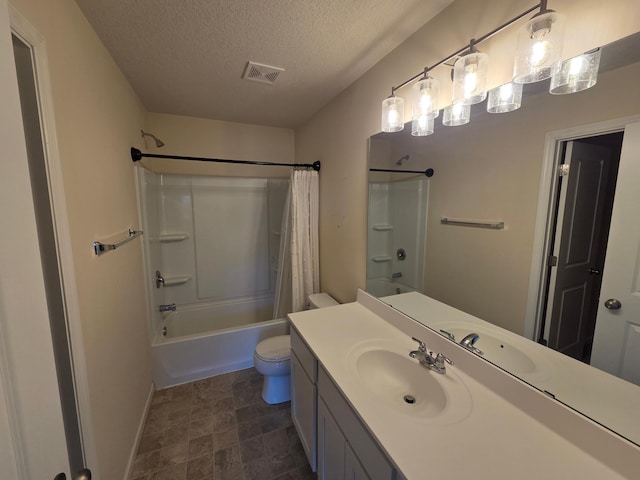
pixel 527 229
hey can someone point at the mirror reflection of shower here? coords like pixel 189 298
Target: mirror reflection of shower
pixel 402 159
pixel 397 226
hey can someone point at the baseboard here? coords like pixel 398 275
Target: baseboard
pixel 136 443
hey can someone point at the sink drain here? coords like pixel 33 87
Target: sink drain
pixel 410 399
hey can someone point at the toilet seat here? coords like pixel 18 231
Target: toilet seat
pixel 274 349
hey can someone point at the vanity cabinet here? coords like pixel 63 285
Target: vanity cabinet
pixel 346 450
pixel 331 445
pixel 336 458
pixel 304 395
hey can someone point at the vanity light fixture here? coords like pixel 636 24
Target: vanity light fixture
pixel 456 114
pixel 505 98
pixel 392 113
pixel 576 74
pixel 425 108
pixel 539 46
pixel 470 76
pixel 538 57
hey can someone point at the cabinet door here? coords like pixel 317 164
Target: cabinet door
pixel 303 409
pixel 353 469
pixel 331 446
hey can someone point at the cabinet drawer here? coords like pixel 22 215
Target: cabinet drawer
pixel 306 358
pixel 372 458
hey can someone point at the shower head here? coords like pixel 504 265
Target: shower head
pixel 402 159
pixel 159 143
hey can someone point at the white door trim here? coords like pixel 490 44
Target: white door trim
pixel 544 217
pixel 23 28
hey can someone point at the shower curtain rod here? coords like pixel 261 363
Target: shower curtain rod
pixel 428 172
pixel 137 155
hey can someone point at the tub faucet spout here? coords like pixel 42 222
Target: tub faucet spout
pixel 168 308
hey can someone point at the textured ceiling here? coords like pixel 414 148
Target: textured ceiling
pixel 187 57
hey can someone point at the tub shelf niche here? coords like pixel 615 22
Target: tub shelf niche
pixel 172 280
pixel 173 237
pixel 381 258
pixel 382 227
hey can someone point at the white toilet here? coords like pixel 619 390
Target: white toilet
pixel 272 358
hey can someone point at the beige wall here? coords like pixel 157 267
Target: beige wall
pixel 199 137
pixel 98 117
pixel 337 135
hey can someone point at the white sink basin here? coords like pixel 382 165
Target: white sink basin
pixel 391 377
pixel 500 350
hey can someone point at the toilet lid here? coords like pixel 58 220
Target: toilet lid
pixel 274 348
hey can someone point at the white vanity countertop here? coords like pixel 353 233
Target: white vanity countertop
pixel 585 388
pixel 495 440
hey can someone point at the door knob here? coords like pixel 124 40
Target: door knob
pixel 613 304
pixel 594 271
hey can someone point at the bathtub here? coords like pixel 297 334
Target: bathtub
pixel 209 340
pixel 383 287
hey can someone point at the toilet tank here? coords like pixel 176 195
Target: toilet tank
pixel 320 300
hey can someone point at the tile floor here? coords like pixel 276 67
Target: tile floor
pixel 219 429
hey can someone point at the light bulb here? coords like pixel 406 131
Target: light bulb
pixel 469 78
pixel 505 91
pixel 576 65
pixel 457 114
pixel 392 114
pixel 539 48
pixel 428 90
pixel 540 52
pixel 505 98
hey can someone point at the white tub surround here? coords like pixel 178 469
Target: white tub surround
pixel 508 425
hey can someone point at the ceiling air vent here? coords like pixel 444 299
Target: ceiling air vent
pixel 261 73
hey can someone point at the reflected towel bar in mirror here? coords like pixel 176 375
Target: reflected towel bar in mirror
pixel 101 248
pixel 473 223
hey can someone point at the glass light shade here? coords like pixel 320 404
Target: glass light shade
pixel 422 126
pixel 470 78
pixel 428 91
pixel 392 114
pixel 576 74
pixel 505 98
pixel 456 114
pixel 539 48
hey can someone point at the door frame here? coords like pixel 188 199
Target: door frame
pixel 21 27
pixel 545 217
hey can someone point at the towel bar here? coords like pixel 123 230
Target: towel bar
pixel 473 223
pixel 101 248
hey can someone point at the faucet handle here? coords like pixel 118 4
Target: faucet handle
pixel 449 335
pixel 422 347
pixel 440 359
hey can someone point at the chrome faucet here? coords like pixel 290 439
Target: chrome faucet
pixel 469 342
pixel 168 308
pixel 427 359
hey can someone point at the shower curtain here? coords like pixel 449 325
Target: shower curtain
pixel 282 301
pixel 301 237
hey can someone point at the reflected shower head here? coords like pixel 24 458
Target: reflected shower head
pixel 402 159
pixel 159 143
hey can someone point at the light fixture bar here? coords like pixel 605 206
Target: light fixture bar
pixel 484 37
